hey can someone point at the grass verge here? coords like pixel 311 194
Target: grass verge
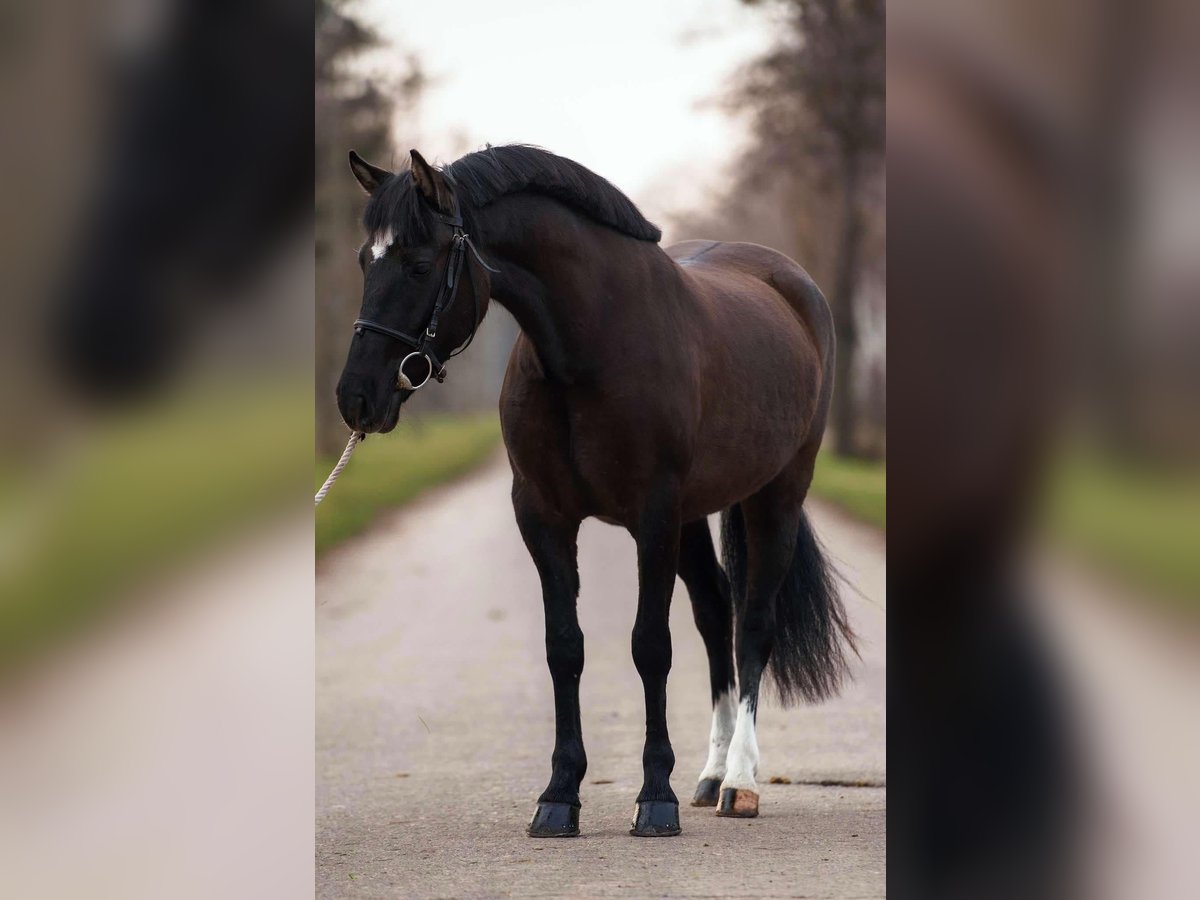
pixel 857 486
pixel 1133 522
pixel 390 470
pixel 126 501
pixel 1136 523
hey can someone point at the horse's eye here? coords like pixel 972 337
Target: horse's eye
pixel 421 268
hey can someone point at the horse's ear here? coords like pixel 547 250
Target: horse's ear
pixel 430 183
pixel 369 176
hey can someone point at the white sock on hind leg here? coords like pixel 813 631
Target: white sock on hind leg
pixel 742 761
pixel 724 717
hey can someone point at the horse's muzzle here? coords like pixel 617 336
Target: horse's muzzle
pixel 364 410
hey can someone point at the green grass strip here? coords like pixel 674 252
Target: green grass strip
pixel 857 486
pixel 389 470
pixel 1139 523
pixel 141 494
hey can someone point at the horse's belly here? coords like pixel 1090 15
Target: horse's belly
pixel 724 472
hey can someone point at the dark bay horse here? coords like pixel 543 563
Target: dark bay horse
pixel 649 389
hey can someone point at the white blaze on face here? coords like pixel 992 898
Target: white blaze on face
pixel 742 766
pixel 380 243
pixel 724 716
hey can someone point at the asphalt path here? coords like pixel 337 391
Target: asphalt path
pixel 435 725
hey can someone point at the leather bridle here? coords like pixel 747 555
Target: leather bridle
pixel 422 345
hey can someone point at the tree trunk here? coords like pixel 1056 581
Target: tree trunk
pixel 333 325
pixel 845 285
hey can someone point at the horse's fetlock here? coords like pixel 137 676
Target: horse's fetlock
pixel 659 757
pixel 570 755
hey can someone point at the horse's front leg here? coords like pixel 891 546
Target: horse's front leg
pixel 657 813
pixel 552 544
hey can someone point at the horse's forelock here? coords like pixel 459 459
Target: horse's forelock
pixel 398 209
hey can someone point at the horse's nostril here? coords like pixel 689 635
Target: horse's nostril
pixel 353 408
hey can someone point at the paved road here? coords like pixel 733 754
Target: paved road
pixel 435 724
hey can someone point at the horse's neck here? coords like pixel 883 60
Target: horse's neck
pixel 555 270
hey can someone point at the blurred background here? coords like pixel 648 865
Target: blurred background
pixel 725 120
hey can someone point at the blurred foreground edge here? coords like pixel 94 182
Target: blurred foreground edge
pixel 156 639
pixel 1014 325
pixel 981 769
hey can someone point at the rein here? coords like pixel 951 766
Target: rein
pixel 355 439
pixel 422 345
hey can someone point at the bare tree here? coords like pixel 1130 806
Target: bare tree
pixel 352 111
pixel 818 100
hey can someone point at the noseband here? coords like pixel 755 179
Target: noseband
pixel 422 345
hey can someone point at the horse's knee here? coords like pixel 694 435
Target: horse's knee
pixel 651 651
pixel 564 652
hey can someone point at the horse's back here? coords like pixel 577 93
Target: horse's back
pixel 714 262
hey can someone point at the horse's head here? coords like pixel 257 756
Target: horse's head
pixel 424 291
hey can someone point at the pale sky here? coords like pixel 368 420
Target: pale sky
pixel 622 87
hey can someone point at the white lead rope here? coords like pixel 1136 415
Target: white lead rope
pixel 355 439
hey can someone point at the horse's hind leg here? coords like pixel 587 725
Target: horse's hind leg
pixel 713 611
pixel 768 523
pixel 552 544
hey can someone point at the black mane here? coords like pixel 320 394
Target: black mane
pixel 487 175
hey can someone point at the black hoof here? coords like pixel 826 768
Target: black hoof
pixel 554 820
pixel 656 818
pixel 707 792
pixel 738 803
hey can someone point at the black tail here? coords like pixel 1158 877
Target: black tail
pixel 808 658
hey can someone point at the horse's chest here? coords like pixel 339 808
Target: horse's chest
pixel 609 458
pixel 602 454
pixel 583 457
